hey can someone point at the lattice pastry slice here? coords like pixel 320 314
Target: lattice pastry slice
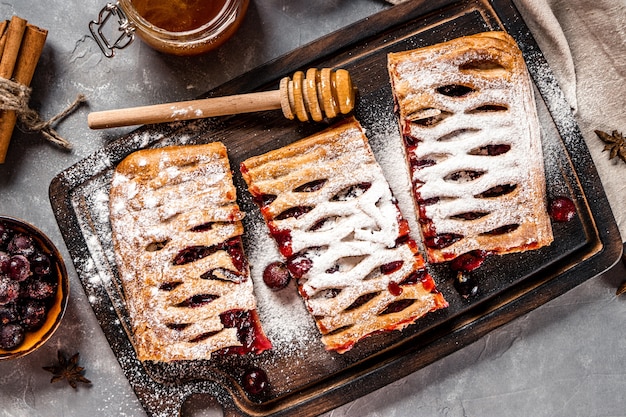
pixel 467 115
pixel 177 237
pixel 332 214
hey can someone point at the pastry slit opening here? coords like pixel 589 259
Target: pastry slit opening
pixel 157 246
pixel 362 300
pixel 397 306
pixel 491 150
pixel 497 191
pixel 470 215
pixel 352 192
pixel 203 336
pixel 311 186
pixel 428 117
pixel 488 108
pixel 293 212
pixel 482 65
pixel 455 90
pixel 502 230
pixel 463 176
pixel 224 274
pixel 198 300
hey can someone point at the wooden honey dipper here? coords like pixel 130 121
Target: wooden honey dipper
pixel 319 93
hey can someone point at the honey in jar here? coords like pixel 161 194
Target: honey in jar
pixel 179 15
pixel 184 27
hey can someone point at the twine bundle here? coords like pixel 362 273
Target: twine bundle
pixel 15 97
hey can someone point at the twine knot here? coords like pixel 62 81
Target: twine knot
pixel 15 97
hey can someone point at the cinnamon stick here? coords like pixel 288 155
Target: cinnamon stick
pixel 22 50
pixel 3 37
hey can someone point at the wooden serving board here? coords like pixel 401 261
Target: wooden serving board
pixel 305 380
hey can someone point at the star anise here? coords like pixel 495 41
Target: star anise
pixel 615 144
pixel 67 369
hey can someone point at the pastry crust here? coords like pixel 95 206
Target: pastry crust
pixel 177 237
pixel 467 115
pixel 331 211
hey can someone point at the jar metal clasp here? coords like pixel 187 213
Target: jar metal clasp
pixel 126 28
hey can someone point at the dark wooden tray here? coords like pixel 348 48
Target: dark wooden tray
pixel 305 379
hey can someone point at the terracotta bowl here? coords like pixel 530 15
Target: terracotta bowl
pixel 56 304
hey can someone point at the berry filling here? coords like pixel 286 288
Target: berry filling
pixel 469 261
pixel 391 267
pixel 249 332
pixel 394 288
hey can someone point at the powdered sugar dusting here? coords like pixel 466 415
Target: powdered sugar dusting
pixel 456 101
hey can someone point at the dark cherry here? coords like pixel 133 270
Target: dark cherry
pixel 5 258
pixel 9 290
pixel 255 381
pixel 8 313
pixel 40 264
pixel 562 209
pixel 466 285
pixel 33 314
pixel 469 261
pixel 38 289
pixel 11 336
pixel 276 275
pixel 21 244
pixel 19 268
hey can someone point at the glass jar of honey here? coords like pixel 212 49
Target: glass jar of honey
pixel 178 27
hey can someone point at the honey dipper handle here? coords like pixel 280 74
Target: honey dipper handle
pixel 311 96
pixel 185 110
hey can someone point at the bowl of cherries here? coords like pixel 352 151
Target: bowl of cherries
pixel 34 288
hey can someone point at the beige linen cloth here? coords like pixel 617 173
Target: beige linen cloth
pixel 584 42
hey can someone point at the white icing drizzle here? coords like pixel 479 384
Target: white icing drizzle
pixel 462 128
pixel 156 200
pixel 346 228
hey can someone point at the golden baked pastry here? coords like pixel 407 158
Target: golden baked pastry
pixel 467 115
pixel 332 214
pixel 177 237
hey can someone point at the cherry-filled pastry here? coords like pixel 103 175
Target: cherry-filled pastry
pixel 333 216
pixel 177 236
pixel 468 119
